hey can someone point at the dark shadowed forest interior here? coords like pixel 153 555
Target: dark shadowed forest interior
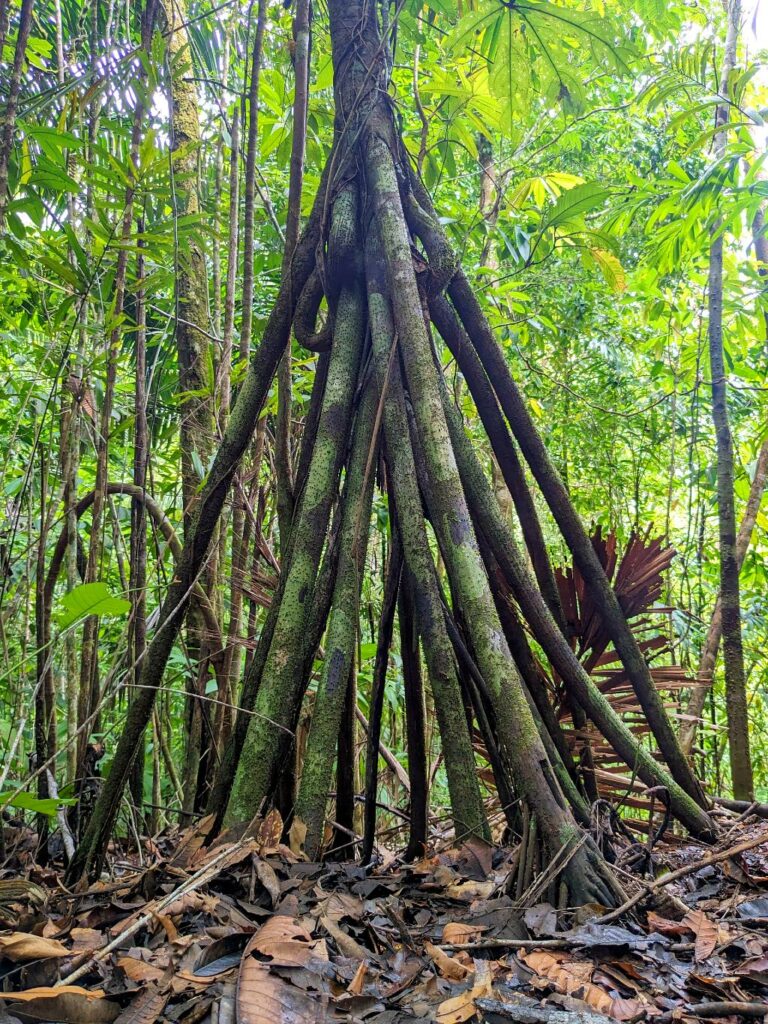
pixel 383 553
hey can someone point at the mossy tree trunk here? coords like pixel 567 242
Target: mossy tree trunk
pixel 382 377
pixel 195 384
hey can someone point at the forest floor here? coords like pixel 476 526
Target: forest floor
pixel 246 932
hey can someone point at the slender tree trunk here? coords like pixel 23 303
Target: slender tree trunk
pixel 195 384
pixel 730 603
pixel 376 703
pixel 45 693
pixel 342 631
pixel 415 714
pixel 89 681
pixel 466 803
pixel 708 658
pixel 240 532
pixel 138 583
pixel 283 456
pixel 12 100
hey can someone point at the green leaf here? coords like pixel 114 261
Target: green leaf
pixel 27 802
pixel 611 268
pixel 90 599
pixel 575 202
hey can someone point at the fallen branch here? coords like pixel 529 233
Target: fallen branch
pixel 689 869
pixel 727 1009
pixel 564 942
pixel 743 807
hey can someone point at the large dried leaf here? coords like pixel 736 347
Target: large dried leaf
pixel 69 1004
pixel 705 932
pixel 266 998
pixel 287 943
pixel 139 970
pixel 446 965
pixel 23 946
pixel 573 978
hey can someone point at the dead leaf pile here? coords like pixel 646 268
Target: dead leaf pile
pixel 246 932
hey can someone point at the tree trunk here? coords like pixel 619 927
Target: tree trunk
pixel 12 100
pixel 376 703
pixel 730 603
pixel 708 658
pixel 192 345
pixel 342 631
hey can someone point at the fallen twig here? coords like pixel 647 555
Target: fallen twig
pixel 726 1009
pixel 673 876
pixel 195 881
pixel 563 942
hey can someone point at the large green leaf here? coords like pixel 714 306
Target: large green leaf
pixel 90 599
pixel 26 802
pixel 574 203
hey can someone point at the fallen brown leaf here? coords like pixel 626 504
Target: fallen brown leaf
pixel 454 931
pixel 23 946
pixel 69 1004
pixel 266 998
pixel 446 965
pixel 705 932
pixel 462 1007
pixel 288 943
pixel 573 978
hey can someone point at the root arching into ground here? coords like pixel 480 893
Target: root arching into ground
pixel 374 286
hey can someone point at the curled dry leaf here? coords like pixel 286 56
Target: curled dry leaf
pixel 266 875
pixel 446 965
pixel 462 1007
pixel 454 931
pixel 573 978
pixel 287 943
pixel 705 932
pixel 23 946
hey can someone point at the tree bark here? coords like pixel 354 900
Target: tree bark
pixel 730 600
pixel 708 658
pixel 342 631
pixel 12 101
pixel 376 703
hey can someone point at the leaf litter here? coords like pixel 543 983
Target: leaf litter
pixel 245 931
